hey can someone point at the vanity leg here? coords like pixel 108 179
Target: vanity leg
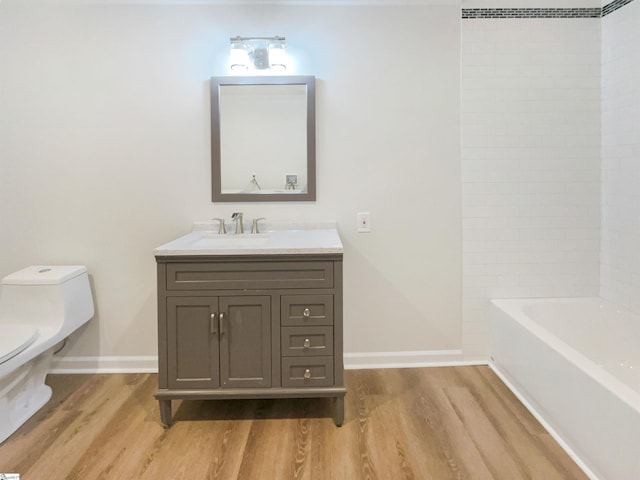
pixel 338 419
pixel 165 412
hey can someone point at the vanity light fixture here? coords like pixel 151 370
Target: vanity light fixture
pixel 258 53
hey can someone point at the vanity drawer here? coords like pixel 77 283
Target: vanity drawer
pixel 303 310
pixel 249 275
pixel 307 371
pixel 306 341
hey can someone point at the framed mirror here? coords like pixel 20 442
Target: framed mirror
pixel 263 139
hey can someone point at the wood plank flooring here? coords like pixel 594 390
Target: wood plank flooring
pixel 423 424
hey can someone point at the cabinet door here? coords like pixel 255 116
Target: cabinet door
pixel 245 341
pixel 192 338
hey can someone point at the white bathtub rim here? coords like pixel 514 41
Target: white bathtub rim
pixel 541 418
pixel 513 308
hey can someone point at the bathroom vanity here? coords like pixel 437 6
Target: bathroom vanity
pixel 251 316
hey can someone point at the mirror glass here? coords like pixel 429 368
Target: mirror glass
pixel 263 138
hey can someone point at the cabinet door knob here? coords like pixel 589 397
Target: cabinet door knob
pixel 306 313
pixel 307 343
pixel 307 373
pixel 222 332
pixel 214 324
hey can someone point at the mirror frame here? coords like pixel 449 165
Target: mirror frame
pixel 216 159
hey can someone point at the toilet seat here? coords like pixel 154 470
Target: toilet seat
pixel 14 338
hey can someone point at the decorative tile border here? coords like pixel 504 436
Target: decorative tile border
pixel 613 6
pixel 532 12
pixel 474 13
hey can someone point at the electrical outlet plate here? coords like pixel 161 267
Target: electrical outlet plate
pixel 364 222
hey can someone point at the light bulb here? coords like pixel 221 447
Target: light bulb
pixel 277 56
pixel 238 57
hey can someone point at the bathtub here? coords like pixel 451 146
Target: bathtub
pixel 575 363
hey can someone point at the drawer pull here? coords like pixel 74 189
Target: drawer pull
pixel 307 373
pixel 307 343
pixel 306 313
pixel 214 324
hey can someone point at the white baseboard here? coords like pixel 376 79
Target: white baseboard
pixel 426 358
pixel 124 364
pixel 352 361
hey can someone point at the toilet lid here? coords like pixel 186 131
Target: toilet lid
pixel 14 338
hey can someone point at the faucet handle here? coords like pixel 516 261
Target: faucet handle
pixel 254 225
pixel 222 229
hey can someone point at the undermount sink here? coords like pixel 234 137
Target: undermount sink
pixel 285 238
pixel 213 240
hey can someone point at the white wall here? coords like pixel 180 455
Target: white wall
pixel 620 267
pixel 104 154
pixel 531 171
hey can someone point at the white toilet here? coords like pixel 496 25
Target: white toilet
pixel 40 306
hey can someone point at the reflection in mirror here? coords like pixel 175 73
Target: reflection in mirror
pixel 270 149
pixel 263 138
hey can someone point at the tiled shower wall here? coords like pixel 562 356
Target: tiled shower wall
pixel 531 163
pixel 620 260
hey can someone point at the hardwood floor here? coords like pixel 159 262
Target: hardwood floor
pixel 431 423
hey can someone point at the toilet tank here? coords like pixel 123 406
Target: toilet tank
pixel 52 298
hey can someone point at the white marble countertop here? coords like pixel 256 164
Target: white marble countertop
pixel 283 238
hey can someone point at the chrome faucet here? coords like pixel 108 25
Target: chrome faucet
pixel 237 216
pixel 255 228
pixel 221 229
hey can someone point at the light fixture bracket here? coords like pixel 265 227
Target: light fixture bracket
pixel 259 53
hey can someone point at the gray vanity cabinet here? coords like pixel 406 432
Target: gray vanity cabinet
pixel 250 326
pixel 219 342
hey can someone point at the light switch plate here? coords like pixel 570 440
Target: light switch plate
pixel 364 222
pixel 291 179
